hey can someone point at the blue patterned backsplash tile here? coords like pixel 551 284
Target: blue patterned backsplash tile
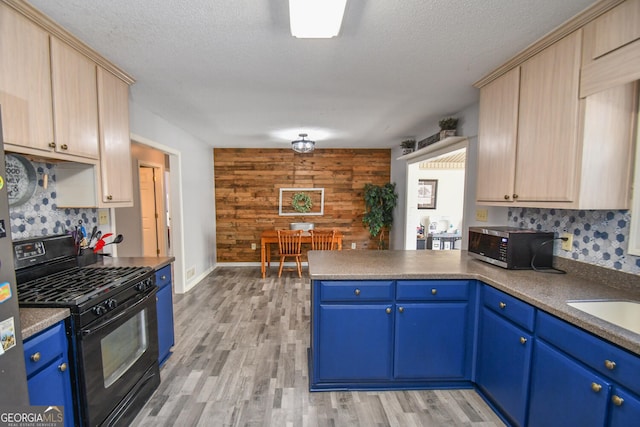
pixel 40 216
pixel 599 237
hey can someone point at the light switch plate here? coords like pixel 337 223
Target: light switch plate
pixel 482 214
pixel 103 217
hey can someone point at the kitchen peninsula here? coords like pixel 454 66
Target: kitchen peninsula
pixel 442 319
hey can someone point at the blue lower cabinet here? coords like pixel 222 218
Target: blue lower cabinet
pixel 503 365
pixel 355 342
pixel 624 409
pixel 564 392
pixel 48 370
pixel 164 306
pixel 431 340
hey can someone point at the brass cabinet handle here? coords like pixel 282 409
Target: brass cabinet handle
pixel 434 291
pixel 52 145
pixel 515 196
pixel 506 197
pixel 596 387
pixel 62 367
pixel 502 305
pixel 35 357
pixel 610 365
pixel 523 340
pixel 388 310
pixel 109 197
pixel 401 309
pixel 357 292
pixel 163 277
pixel 64 146
pixel 617 400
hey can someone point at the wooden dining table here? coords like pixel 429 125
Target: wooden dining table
pixel 271 236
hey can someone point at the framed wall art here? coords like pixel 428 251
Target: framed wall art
pixel 301 201
pixel 427 193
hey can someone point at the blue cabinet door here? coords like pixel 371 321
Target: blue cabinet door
pixel 503 364
pixel 354 342
pixel 164 306
pixel 431 340
pixel 565 393
pixel 624 409
pixel 48 373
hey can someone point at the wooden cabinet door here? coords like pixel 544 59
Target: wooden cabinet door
pixel 355 342
pixel 431 341
pixel 546 158
pixel 503 365
pixel 564 392
pixel 25 82
pixel 115 143
pixel 498 130
pixel 616 28
pixel 75 101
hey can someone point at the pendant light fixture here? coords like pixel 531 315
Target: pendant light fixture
pixel 303 145
pixel 316 19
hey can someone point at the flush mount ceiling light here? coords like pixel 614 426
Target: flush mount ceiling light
pixel 303 145
pixel 316 19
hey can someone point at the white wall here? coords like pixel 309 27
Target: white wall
pixel 196 190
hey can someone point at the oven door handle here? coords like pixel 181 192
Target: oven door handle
pixel 125 311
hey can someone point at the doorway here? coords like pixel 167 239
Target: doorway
pixel 152 209
pixel 443 171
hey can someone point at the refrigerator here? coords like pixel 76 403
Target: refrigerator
pixel 13 376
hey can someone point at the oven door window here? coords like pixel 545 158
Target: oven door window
pixel 123 347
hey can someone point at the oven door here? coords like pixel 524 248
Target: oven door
pixel 117 365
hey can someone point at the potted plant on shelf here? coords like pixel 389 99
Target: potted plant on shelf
pixel 448 127
pixel 408 146
pixel 379 200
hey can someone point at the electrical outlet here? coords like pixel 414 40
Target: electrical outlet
pixel 482 215
pixel 253 246
pixel 567 245
pixel 103 217
pixel 353 245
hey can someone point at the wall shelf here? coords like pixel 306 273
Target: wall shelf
pixel 442 145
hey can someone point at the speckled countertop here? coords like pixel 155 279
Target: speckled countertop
pixel 546 291
pixel 34 320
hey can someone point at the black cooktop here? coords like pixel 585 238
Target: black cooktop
pixel 77 285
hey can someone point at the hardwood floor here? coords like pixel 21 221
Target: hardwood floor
pixel 240 359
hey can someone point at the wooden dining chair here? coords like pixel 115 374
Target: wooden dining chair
pixel 289 245
pixel 323 240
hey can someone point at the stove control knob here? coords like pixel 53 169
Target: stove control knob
pixel 111 304
pixel 99 310
pixel 141 286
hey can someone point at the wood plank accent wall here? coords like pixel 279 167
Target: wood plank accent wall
pixel 248 182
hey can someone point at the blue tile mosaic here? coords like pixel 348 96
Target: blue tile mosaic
pixel 40 216
pixel 599 237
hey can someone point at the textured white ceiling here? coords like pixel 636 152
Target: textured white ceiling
pixel 230 73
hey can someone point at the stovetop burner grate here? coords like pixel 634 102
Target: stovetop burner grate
pixel 76 285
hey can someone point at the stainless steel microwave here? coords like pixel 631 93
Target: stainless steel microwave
pixel 512 248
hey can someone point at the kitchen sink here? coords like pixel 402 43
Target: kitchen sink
pixel 625 314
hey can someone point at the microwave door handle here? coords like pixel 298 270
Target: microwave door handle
pixel 125 311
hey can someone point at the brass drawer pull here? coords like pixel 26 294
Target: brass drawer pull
pixel 357 292
pixel 401 309
pixel 64 146
pixel 52 145
pixel 610 365
pixel 596 387
pixel 434 291
pixel 523 340
pixel 62 367
pixel 35 357
pixel 617 400
pixel 502 305
pixel 388 310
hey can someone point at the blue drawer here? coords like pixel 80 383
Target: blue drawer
pixel 46 346
pixel 163 276
pixel 433 290
pixel 519 312
pixel 356 290
pixel 613 362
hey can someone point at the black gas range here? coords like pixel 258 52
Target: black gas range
pixel 113 325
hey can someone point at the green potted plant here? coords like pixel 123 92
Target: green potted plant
pixel 408 146
pixel 448 127
pixel 379 200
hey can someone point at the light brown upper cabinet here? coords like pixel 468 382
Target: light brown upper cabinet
pixel 611 55
pixel 569 152
pixel 25 82
pixel 75 101
pixel 115 143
